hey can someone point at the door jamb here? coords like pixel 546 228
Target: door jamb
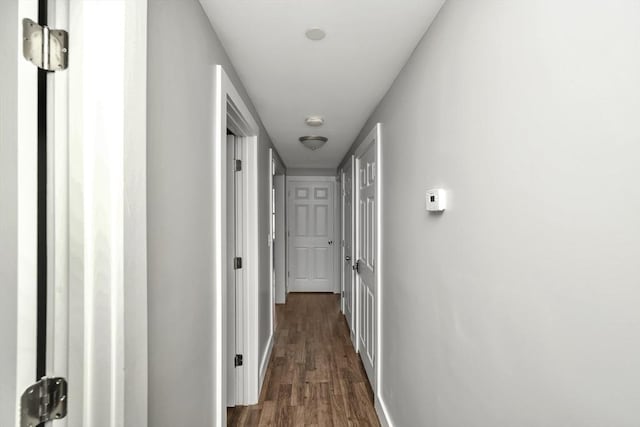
pixel 231 112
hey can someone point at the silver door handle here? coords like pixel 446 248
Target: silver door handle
pixel 347 258
pixel 331 242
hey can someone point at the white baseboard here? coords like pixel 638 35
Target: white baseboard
pixel 264 364
pixel 383 414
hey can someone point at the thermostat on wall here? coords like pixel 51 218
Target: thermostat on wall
pixel 436 200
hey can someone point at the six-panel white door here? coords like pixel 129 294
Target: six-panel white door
pixel 311 236
pixel 366 235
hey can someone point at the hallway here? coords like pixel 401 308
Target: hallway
pixel 314 376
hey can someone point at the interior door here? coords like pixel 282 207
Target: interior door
pixel 366 262
pixel 231 271
pixel 66 238
pixel 347 248
pixel 235 280
pixel 311 235
pixel 18 211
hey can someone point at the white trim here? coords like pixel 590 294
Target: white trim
pixel 337 236
pixel 294 178
pixel 380 263
pixel 230 105
pixel 58 209
pixel 382 412
pixel 23 146
pixel 270 238
pixel 264 364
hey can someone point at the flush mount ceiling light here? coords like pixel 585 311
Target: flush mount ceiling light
pixel 315 34
pixel 314 121
pixel 313 142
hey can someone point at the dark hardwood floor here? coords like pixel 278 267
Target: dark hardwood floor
pixel 314 378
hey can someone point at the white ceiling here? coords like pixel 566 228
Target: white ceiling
pixel 342 77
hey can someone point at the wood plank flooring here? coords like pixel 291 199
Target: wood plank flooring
pixel 314 378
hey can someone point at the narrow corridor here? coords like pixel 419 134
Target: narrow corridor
pixel 314 376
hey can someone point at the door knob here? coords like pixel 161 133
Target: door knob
pixel 347 258
pixel 331 242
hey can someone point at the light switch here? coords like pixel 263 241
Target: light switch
pixel 436 200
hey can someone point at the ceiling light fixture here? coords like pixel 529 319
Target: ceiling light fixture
pixel 315 34
pixel 313 142
pixel 314 121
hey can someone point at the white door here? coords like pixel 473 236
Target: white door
pixel 18 211
pixel 311 236
pixel 96 208
pixel 347 247
pixel 95 329
pixel 366 234
pixel 234 274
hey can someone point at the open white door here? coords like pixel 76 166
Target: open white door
pixel 94 216
pixel 347 248
pixel 367 213
pixel 18 211
pixel 92 264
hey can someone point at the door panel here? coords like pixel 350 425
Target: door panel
pixel 18 211
pixel 312 239
pixel 301 265
pixel 321 223
pixel 231 277
pixel 366 276
pixel 321 263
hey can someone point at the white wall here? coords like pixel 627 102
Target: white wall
pixel 519 306
pixel 183 49
pixel 8 208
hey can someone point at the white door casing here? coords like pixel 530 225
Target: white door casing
pixel 347 248
pixel 311 234
pixel 232 113
pixel 367 251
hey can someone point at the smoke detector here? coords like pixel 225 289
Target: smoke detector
pixel 314 121
pixel 313 142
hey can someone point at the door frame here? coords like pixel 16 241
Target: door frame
pixel 231 112
pixel 374 136
pixel 335 233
